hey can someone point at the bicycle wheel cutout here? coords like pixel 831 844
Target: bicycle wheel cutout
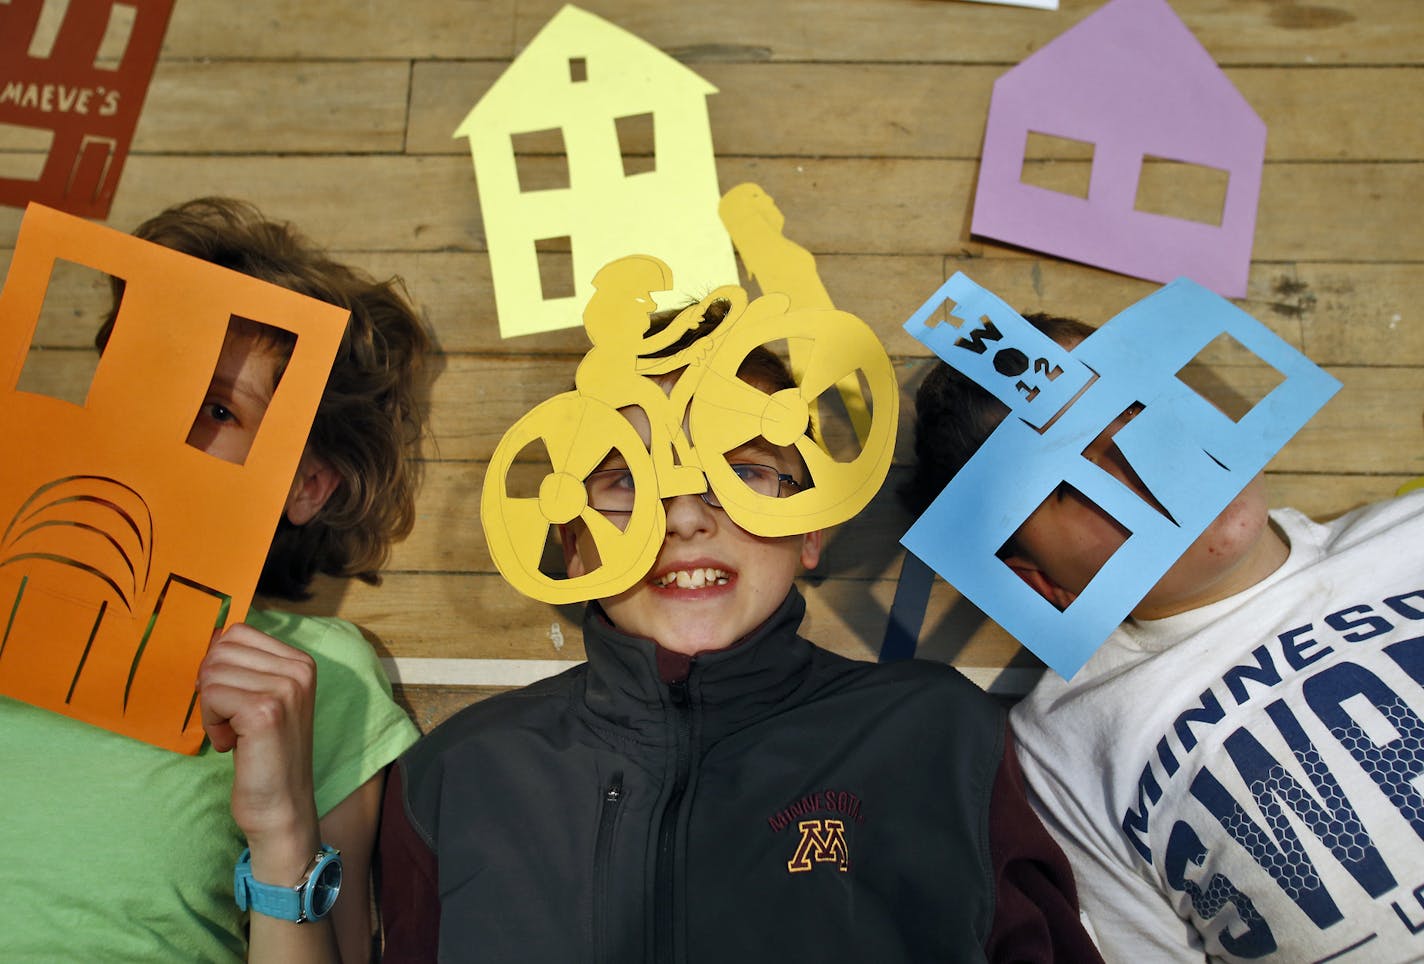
pixel 730 415
pixel 578 434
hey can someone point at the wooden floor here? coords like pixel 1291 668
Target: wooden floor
pixel 864 119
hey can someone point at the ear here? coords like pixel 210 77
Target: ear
pixel 315 482
pixel 1039 582
pixel 573 560
pixel 811 548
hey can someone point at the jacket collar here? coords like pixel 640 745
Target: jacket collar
pixel 729 688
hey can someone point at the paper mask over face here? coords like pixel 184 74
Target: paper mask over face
pixel 1190 456
pixel 77 99
pixel 124 546
pixel 707 413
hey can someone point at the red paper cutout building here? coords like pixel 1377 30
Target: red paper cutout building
pixel 86 87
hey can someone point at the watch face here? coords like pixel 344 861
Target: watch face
pixel 325 885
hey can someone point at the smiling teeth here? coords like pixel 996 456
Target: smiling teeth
pixel 693 578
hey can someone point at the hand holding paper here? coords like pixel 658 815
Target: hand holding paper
pixel 123 545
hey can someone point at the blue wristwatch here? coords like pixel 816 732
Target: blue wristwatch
pixel 309 900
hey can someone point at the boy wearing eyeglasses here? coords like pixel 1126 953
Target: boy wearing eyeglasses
pixel 711 786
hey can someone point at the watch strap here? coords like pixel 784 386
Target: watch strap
pixel 274 900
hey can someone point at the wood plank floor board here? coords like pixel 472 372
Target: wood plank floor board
pixel 1372 425
pixel 938 111
pixel 275 107
pixel 1332 32
pixel 351 202
pixel 1339 313
pixel 341 29
pixel 1369 423
pixel 1309 211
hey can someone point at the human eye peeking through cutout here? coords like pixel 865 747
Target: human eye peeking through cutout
pixel 217 411
pixel 249 366
pixel 611 489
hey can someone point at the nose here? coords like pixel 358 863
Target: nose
pixel 689 515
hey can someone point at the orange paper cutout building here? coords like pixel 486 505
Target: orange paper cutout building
pixel 86 88
pixel 121 546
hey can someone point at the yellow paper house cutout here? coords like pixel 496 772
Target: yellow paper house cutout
pixel 122 547
pixel 578 76
pixel 579 430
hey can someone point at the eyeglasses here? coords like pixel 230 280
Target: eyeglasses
pixel 611 490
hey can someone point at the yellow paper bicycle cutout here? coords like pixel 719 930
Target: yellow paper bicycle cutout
pixel 582 429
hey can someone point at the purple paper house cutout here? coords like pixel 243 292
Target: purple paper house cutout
pixel 1131 80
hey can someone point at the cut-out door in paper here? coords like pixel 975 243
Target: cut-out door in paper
pixel 81 80
pixel 122 547
pixel 1135 88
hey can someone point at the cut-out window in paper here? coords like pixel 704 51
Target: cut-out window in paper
pixel 109 586
pixel 249 369
pixel 1190 458
pixel 556 267
pixel 26 151
pixel 705 415
pixel 1190 192
pixel 1230 376
pixel 637 141
pixel 1043 164
pixel 1131 80
pixel 668 206
pixel 54 365
pixel 80 71
pixel 47 23
pixel 118 31
pixel 541 160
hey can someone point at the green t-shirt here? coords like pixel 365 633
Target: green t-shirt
pixel 114 850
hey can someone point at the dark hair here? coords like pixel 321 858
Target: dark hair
pixel 954 416
pixel 369 423
pixel 762 366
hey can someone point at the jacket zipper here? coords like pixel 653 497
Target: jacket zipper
pixel 603 846
pixel 666 888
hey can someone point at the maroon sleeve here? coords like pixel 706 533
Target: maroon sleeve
pixel 410 896
pixel 1035 900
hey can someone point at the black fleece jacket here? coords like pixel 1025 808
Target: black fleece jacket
pixel 781 803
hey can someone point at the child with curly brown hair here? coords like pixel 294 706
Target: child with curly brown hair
pixel 300 701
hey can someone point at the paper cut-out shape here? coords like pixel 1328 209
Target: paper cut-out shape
pixel 87 88
pixel 580 76
pixel 1193 459
pixel 580 429
pixel 1040 4
pixel 781 266
pixel 122 547
pixel 1019 365
pixel 1133 81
